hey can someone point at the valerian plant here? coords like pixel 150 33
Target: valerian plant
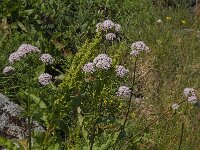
pixel 29 64
pixel 92 104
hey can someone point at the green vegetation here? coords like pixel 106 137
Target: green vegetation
pixel 81 110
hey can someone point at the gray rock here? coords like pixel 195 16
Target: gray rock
pixel 12 125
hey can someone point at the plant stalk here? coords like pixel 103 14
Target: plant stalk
pixel 131 95
pixel 29 108
pixel 181 139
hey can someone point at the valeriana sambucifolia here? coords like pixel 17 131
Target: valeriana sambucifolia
pixel 121 71
pixel 110 36
pixel 117 27
pixel 138 47
pixel 190 94
pixel 107 24
pixel 89 68
pixel 102 61
pixel 46 58
pixel 45 78
pixel 175 106
pixel 109 27
pixel 22 51
pixel 99 27
pixel 123 91
pixel 8 69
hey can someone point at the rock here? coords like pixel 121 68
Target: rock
pixel 12 125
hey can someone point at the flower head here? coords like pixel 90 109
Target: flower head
pixel 102 61
pixel 8 69
pixel 192 99
pixel 140 46
pixel 110 36
pixel 188 91
pixel 99 27
pixel 123 91
pixel 134 52
pixel 108 24
pixel 117 27
pixel 121 71
pixel 27 48
pixel 16 56
pixel 45 78
pixel 89 68
pixel 46 58
pixel 22 51
pixel 175 106
pixel 159 21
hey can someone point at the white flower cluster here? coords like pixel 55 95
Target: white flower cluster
pixel 102 61
pixel 117 27
pixel 89 68
pixel 22 51
pixel 138 47
pixel 46 58
pixel 108 26
pixel 190 94
pixel 45 78
pixel 175 106
pixel 123 91
pixel 8 69
pixel 110 36
pixel 121 71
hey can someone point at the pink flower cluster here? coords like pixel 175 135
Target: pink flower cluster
pixel 45 78
pixel 102 61
pixel 123 91
pixel 121 71
pixel 109 27
pixel 46 58
pixel 22 52
pixel 8 69
pixel 138 47
pixel 190 94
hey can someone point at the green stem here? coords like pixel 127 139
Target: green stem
pixel 93 135
pixel 181 139
pixel 29 109
pixel 182 128
pixel 131 95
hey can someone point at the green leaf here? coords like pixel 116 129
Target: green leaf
pixel 26 12
pixel 107 144
pixel 39 70
pixel 9 144
pixel 85 135
pixel 21 26
pixel 55 146
pixel 38 101
pixel 80 117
